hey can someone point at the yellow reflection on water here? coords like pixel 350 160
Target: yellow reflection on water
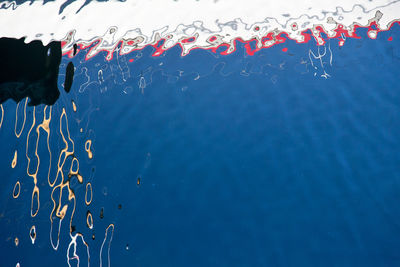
pixel 17 189
pixel 88 144
pixel 14 161
pixel 89 220
pixel 59 177
pixel 73 105
pixel 35 192
pixel 88 189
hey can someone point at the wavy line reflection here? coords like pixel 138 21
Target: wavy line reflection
pixel 49 135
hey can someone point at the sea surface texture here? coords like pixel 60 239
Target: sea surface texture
pixel 257 143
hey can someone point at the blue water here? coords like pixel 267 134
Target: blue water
pixel 243 161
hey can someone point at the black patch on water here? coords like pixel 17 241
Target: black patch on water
pixel 75 49
pixel 69 77
pixel 102 213
pixel 29 70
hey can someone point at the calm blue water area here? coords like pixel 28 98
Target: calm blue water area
pixel 243 160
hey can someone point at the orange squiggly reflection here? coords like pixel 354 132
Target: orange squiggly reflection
pixel 59 177
pixel 88 143
pixel 35 192
pixel 17 189
pixel 45 125
pixel 89 220
pixel 88 189
pixel 14 161
pixel 73 105
pixel 59 208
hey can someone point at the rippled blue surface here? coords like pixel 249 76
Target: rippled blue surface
pixel 258 162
